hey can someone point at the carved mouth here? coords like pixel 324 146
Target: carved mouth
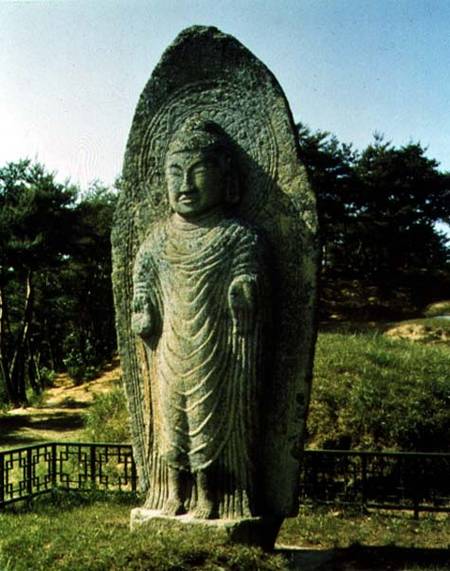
pixel 186 198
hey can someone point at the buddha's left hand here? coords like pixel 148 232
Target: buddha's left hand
pixel 241 300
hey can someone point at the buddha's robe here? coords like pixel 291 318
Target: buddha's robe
pixel 205 369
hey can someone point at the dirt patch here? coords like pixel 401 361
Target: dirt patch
pixel 60 416
pixel 416 331
pixel 438 308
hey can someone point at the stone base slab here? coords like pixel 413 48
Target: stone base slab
pixel 260 531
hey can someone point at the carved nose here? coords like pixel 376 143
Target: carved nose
pixel 186 185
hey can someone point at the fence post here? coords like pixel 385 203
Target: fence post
pixel 416 494
pixel 133 474
pixel 2 479
pixel 363 480
pixel 93 466
pixel 53 464
pixel 29 471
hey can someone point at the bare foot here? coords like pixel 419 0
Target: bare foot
pixel 173 507
pixel 204 509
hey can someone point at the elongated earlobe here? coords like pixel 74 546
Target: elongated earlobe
pixel 232 191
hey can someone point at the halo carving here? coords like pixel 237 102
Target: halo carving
pixel 224 103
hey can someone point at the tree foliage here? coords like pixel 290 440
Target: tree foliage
pixel 379 210
pixel 54 276
pixel 87 282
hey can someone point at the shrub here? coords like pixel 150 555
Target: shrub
pixel 78 369
pixel 35 399
pixel 47 377
pixel 82 361
pixel 107 418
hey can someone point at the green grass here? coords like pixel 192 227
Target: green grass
pixel 79 533
pixel 374 392
pixel 369 392
pixel 432 322
pixel 336 527
pixel 371 542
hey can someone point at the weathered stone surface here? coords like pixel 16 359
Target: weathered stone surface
pixel 215 261
pixel 200 297
pixel 253 530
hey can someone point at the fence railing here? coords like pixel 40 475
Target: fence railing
pixel 32 470
pixel 390 480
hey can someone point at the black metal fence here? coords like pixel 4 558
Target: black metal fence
pixel 32 470
pixel 389 480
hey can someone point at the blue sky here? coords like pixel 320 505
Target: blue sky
pixel 71 71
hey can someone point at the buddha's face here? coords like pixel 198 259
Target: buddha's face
pixel 195 183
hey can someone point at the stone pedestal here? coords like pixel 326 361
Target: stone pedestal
pixel 252 531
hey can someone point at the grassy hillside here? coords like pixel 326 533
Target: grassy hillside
pixel 375 391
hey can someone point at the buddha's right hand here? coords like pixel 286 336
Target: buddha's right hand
pixel 141 322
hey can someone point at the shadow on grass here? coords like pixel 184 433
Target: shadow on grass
pixel 366 558
pixel 69 403
pixel 115 362
pixel 354 558
pixel 57 501
pixel 12 426
pixel 8 441
pixel 349 327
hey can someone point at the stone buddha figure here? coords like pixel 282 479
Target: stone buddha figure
pixel 200 288
pixel 215 264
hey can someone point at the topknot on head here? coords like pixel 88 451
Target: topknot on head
pixel 199 134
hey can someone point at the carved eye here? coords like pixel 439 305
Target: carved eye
pixel 175 170
pixel 200 171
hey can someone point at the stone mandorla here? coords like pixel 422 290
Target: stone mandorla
pixel 215 261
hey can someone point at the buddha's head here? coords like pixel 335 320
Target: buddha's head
pixel 199 169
